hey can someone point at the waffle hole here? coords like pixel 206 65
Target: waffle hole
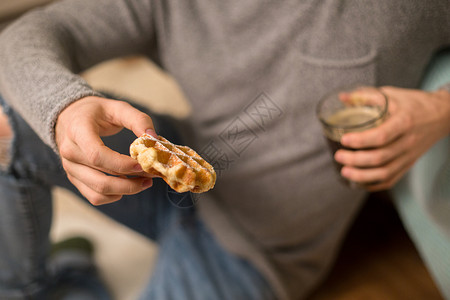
pixel 163 157
pixel 149 143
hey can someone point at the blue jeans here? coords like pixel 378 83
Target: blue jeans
pixel 191 264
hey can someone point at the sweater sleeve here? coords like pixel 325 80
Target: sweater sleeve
pixel 42 52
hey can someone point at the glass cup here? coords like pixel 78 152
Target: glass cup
pixel 351 109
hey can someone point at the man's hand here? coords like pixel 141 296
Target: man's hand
pixel 417 121
pixel 88 163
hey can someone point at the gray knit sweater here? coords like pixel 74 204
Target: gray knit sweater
pixel 253 71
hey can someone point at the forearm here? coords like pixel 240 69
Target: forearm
pixel 41 54
pixel 37 76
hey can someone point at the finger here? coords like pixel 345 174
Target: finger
pixel 72 152
pixel 95 154
pixel 378 174
pixel 371 158
pixel 125 115
pixel 364 95
pixel 104 184
pixel 93 197
pixel 391 129
pixel 380 186
pixel 144 174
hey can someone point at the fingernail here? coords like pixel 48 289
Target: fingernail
pixel 137 168
pixel 147 183
pixel 151 132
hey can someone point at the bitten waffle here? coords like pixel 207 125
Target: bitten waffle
pixel 180 166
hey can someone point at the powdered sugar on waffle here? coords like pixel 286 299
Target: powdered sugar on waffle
pixel 180 166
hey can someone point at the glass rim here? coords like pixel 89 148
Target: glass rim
pixel 381 114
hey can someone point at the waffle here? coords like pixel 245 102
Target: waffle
pixel 180 166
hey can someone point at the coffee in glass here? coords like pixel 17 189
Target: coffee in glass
pixel 350 110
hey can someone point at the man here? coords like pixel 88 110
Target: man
pixel 253 72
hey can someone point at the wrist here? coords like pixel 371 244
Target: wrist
pixel 444 96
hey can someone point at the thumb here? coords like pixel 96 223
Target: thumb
pixel 131 118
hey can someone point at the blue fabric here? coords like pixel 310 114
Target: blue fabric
pixel 191 264
pixel 422 197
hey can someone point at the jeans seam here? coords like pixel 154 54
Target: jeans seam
pixel 32 227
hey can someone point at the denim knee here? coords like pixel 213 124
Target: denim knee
pixel 27 155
